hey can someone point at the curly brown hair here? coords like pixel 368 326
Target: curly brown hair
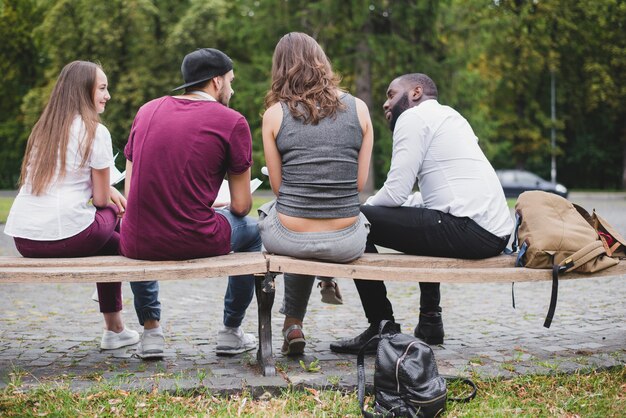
pixel 303 78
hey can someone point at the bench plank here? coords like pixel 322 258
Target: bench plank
pixel 118 268
pixel 408 268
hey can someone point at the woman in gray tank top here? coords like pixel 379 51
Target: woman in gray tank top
pixel 318 144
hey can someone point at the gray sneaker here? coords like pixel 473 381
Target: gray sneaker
pixel 234 341
pixel 151 344
pixel 112 340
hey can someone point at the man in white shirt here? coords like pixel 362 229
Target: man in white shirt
pixel 460 210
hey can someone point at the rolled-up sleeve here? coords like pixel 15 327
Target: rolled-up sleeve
pixel 407 156
pixel 240 148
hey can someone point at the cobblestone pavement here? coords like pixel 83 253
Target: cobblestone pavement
pixel 51 333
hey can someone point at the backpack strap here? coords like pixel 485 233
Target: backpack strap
pixel 554 295
pixel 519 261
pixel 513 294
pixel 360 367
pixel 465 380
pixel 384 327
pixel 580 257
pixel 518 222
pixel 584 255
pixel 611 249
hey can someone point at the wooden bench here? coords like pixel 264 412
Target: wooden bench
pixel 392 267
pixel 118 268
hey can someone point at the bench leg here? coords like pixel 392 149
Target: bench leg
pixel 264 286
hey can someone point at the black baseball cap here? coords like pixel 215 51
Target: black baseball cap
pixel 203 64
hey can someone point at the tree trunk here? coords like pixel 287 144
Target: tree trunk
pixel 623 153
pixel 364 86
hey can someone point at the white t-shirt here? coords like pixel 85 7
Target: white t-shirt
pixel 436 145
pixel 63 210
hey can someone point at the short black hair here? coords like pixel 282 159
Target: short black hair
pixel 199 86
pixel 414 79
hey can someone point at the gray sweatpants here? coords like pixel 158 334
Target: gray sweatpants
pixel 340 246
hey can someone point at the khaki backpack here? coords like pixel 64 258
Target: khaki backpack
pixel 553 233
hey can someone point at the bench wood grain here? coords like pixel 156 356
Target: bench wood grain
pixel 410 268
pixel 118 268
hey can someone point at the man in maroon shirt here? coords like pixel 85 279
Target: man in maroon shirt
pixel 178 152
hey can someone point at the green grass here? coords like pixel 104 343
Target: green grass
pixel 5 205
pixel 511 202
pixel 592 394
pixel 256 203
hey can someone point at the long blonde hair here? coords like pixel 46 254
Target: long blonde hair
pixel 303 78
pixel 73 95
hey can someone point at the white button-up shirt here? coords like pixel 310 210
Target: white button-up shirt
pixel 436 145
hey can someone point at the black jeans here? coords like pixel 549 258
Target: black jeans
pixel 420 231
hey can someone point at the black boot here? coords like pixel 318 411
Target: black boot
pixel 353 345
pixel 430 328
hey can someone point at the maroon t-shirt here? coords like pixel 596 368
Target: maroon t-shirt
pixel 180 150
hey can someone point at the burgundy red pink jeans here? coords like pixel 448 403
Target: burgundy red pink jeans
pixel 100 238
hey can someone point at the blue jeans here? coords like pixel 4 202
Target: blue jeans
pixel 147 304
pixel 244 238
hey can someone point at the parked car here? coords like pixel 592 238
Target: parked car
pixel 515 182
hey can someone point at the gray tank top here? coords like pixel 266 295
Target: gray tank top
pixel 320 164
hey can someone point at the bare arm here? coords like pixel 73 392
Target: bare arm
pixel 271 124
pixel 365 154
pixel 103 193
pixel 240 196
pixel 129 174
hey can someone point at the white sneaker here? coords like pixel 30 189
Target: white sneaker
pixel 234 341
pixel 152 344
pixel 112 340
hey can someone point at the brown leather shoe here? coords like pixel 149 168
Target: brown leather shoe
pixel 294 342
pixel 330 292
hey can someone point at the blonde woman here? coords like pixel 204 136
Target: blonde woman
pixel 66 165
pixel 318 143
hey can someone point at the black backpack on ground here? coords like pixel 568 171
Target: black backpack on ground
pixel 406 380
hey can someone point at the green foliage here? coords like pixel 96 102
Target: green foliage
pixel 19 59
pixel 5 207
pixel 492 60
pixel 312 367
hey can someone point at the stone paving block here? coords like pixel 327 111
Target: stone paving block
pixel 491 355
pixel 592 345
pixel 11 353
pixel 604 361
pixel 327 356
pixel 78 338
pixel 40 362
pixel 122 354
pixel 553 348
pixel 569 366
pixel 222 372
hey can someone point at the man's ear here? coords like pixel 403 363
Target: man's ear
pixel 416 93
pixel 217 82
